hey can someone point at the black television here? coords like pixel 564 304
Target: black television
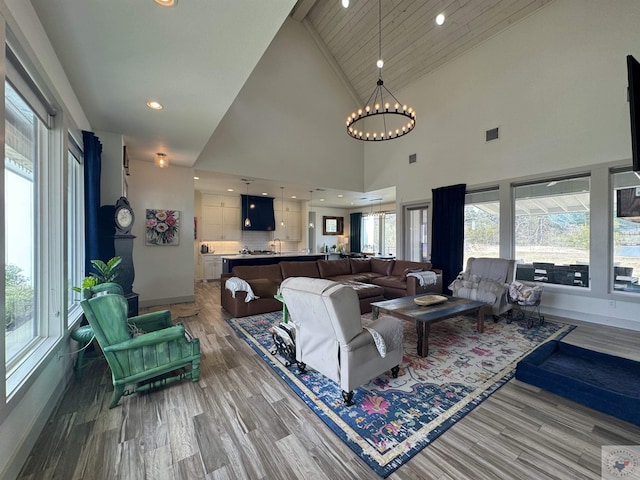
pixel 628 202
pixel 633 73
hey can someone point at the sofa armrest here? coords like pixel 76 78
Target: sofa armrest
pixel 414 288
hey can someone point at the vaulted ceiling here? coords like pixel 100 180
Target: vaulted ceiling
pixel 194 57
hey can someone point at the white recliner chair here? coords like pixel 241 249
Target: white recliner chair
pixel 486 280
pixel 331 339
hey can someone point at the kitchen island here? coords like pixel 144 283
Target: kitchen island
pixel 230 261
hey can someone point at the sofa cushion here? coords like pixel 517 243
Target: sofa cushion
pixel 264 287
pixel 249 272
pixel 358 277
pixel 360 265
pixel 400 266
pixel 391 281
pixel 381 266
pixel 299 269
pixel 334 268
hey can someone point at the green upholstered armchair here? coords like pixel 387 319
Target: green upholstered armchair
pixel 84 334
pixel 136 361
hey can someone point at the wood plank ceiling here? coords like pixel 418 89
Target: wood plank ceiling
pixel 412 44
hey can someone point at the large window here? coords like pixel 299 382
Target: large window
pixel 626 232
pixel 24 135
pixel 33 238
pixel 552 231
pixel 417 230
pixel 481 224
pixel 379 233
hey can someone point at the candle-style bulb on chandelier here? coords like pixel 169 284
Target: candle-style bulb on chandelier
pixel 386 117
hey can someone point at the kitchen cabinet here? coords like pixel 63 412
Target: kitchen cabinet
pixel 221 217
pixel 212 267
pixel 290 212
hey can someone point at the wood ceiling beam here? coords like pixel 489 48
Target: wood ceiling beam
pixel 301 9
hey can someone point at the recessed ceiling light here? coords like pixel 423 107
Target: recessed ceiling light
pixel 229 189
pixel 440 18
pixel 196 178
pixel 154 105
pixel 322 199
pixel 167 3
pixel 265 193
pixel 293 196
pixel 340 196
pixel 345 3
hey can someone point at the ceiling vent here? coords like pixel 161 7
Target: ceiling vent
pixel 413 158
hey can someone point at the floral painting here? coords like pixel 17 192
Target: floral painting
pixel 163 227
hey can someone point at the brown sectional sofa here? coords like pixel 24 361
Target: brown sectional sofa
pixel 373 279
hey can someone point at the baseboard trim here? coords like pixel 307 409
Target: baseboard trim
pixel 561 314
pixel 167 301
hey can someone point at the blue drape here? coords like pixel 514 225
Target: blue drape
pixel 92 167
pixel 355 222
pixel 448 231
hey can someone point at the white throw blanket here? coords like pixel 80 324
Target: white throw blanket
pixel 425 278
pixel 235 284
pixel 385 335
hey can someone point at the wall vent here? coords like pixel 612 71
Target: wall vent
pixel 412 158
pixel 491 134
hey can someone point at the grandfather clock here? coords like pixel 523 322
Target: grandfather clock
pixel 123 246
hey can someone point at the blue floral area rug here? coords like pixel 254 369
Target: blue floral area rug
pixel 393 419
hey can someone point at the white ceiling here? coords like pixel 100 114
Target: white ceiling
pixel 195 57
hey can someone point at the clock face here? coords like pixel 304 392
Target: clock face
pixel 124 217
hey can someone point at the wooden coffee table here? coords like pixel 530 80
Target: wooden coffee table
pixel 406 309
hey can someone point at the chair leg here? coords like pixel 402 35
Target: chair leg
pixel 348 398
pixel 78 366
pixel 394 371
pixel 195 370
pixel 118 390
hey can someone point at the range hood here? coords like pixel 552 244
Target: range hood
pixel 260 212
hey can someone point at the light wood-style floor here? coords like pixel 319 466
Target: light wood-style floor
pixel 242 421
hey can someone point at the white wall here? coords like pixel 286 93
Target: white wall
pixel 287 122
pixel 555 84
pixel 329 240
pixel 111 184
pixel 164 274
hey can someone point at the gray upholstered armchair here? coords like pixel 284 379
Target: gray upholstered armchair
pixel 331 339
pixel 486 280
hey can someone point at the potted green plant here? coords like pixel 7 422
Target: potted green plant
pixel 104 272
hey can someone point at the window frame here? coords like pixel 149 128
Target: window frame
pixel 75 226
pixel 49 238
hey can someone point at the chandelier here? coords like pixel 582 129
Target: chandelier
pixel 387 118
